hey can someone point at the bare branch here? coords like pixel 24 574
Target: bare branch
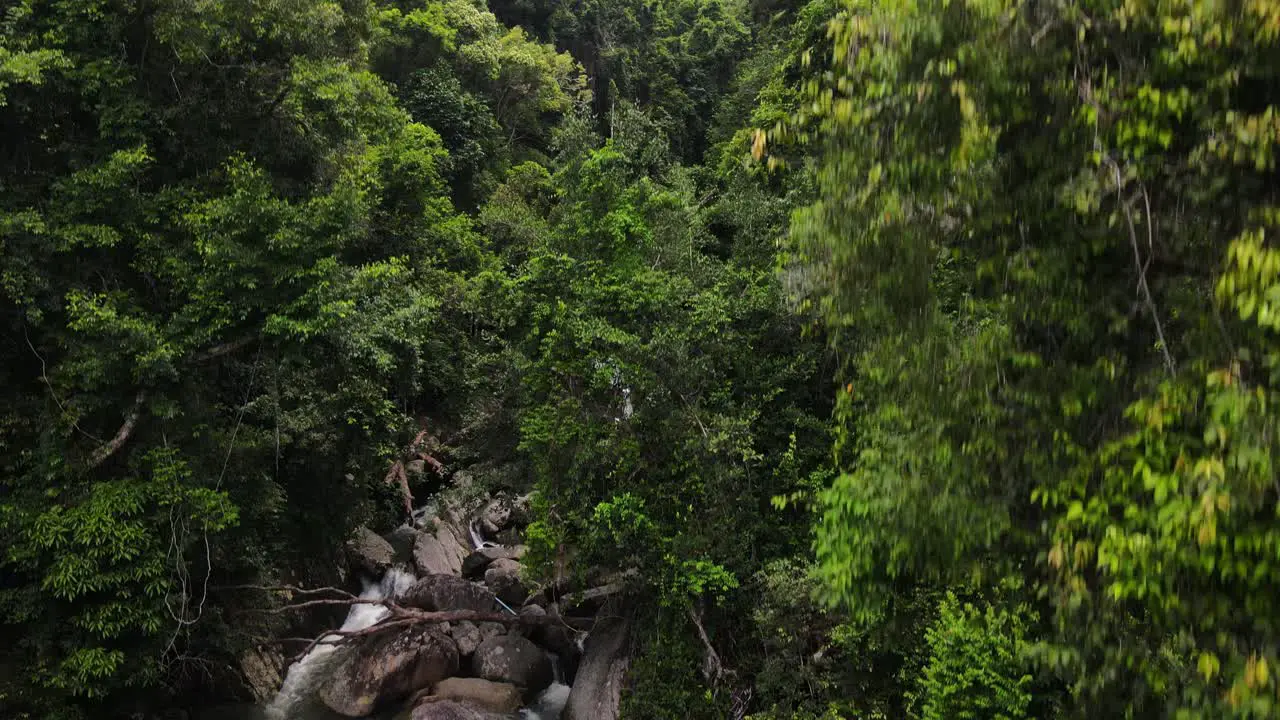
pixel 712 667
pixel 1143 288
pixel 100 455
pixel 289 588
pixel 224 349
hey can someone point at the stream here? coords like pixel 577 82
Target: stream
pixel 298 697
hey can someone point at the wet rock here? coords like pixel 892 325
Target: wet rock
pixel 448 592
pixel 262 670
pixel 597 686
pixel 473 566
pixel 492 696
pixel 386 668
pixel 503 579
pixel 369 552
pixel 453 710
pixel 513 659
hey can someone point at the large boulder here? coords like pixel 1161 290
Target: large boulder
pixel 262 669
pixel 466 636
pixel 521 512
pixel 503 579
pixel 388 667
pixel 495 516
pixel 402 539
pixel 370 552
pixel 454 710
pixel 513 659
pixel 448 592
pixel 597 686
pixel 559 638
pixel 440 550
pixel 473 566
pixel 530 629
pixel 487 694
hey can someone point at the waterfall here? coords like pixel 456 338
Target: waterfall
pixel 306 675
pixel 477 540
pixel 550 703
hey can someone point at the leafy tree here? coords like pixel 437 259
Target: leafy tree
pixel 1018 243
pixel 230 271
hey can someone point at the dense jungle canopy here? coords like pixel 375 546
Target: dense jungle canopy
pixel 916 358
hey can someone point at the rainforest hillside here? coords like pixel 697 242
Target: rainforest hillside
pixel 905 358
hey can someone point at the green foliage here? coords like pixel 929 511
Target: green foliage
pixel 975 667
pixel 1021 221
pixel 661 680
pixel 232 277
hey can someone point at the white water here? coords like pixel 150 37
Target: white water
pixel 549 704
pixel 477 540
pixel 306 675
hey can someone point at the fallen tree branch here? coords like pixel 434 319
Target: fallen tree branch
pixel 100 455
pixel 399 616
pixel 574 599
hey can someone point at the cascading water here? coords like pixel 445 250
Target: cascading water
pixel 477 540
pixel 306 675
pixel 550 703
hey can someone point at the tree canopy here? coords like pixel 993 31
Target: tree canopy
pixel 912 359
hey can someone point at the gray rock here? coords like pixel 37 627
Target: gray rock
pixel 448 592
pixel 389 667
pixel 530 630
pixel 559 639
pixel 454 710
pixel 402 539
pixel 491 630
pixel 521 514
pixel 486 694
pixel 513 659
pixel 262 670
pixel 503 579
pixel 369 552
pixel 440 550
pixel 597 687
pixel 511 536
pixel 474 565
pixel 495 516
pixel 467 637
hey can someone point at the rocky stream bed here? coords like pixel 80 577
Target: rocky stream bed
pixel 507 651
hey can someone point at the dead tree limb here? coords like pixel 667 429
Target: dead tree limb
pixel 398 473
pixel 225 348
pixel 100 455
pixel 712 667
pixel 1143 288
